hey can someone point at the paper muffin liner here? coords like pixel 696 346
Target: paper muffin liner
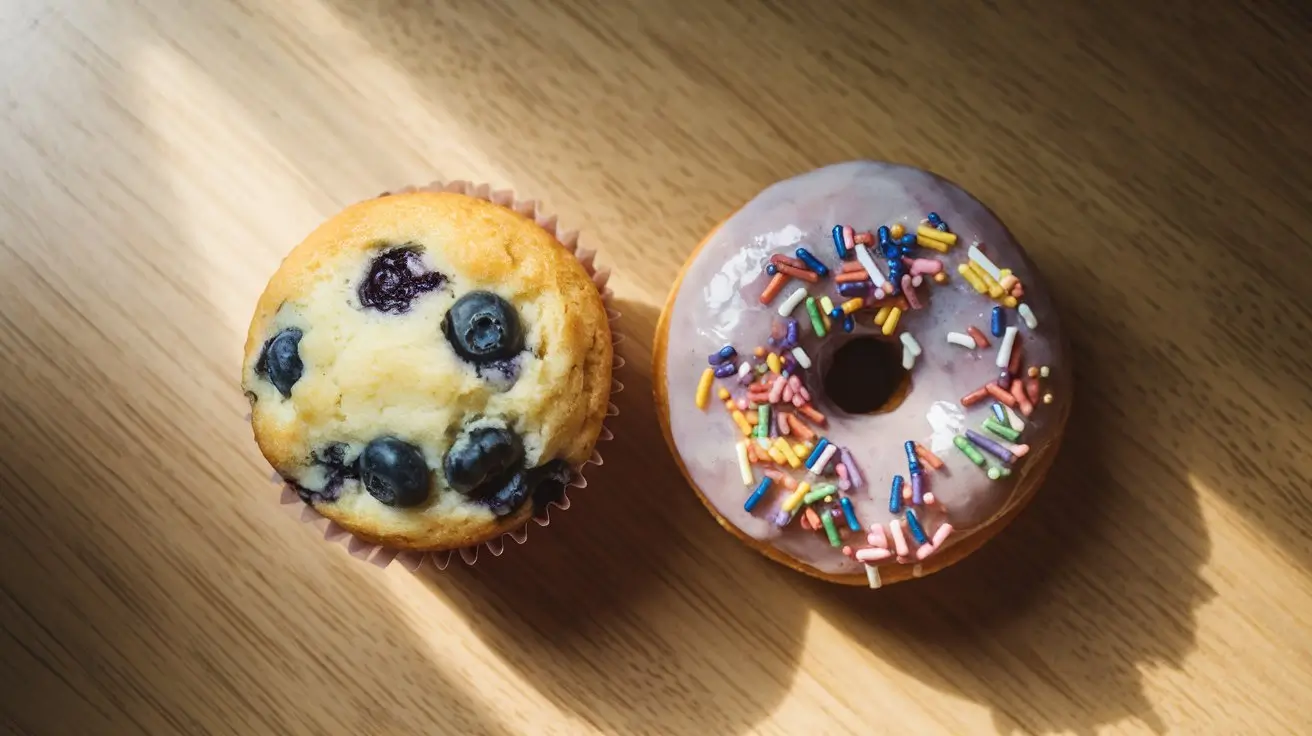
pixel 413 560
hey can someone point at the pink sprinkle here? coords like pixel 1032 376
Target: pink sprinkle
pixel 907 289
pixel 877 536
pixel 941 535
pixel 798 401
pixel 923 265
pixel 873 554
pixel 848 551
pixel 899 539
pixel 848 238
pixel 928 498
pixel 777 390
pixel 879 292
pixel 742 404
pixel 841 469
pixel 781 419
pixel 1020 450
pixel 844 484
pixel 924 551
pixel 806 395
pixel 916 281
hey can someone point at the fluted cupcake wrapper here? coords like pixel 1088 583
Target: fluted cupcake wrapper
pixel 416 561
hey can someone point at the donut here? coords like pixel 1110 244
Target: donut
pixel 426 369
pixel 861 374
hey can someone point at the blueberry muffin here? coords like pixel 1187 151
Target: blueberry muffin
pixel 427 369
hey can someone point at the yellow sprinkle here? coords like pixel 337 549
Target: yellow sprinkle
pixel 704 388
pixel 925 231
pixel 890 324
pixel 1009 302
pixel 1047 398
pixel 826 304
pixel 792 502
pixel 1004 273
pixel 723 394
pixel 776 365
pixel 941 277
pixel 974 280
pixel 994 289
pixel 802 449
pixel 829 325
pixel 741 421
pixel 776 455
pixel 897 231
pixel 882 314
pixel 1007 281
pixel 728 404
pixel 793 460
pixel 931 243
pixel 851 305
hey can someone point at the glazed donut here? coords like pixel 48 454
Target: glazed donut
pixel 861 374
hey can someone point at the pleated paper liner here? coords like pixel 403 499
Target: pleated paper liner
pixel 415 561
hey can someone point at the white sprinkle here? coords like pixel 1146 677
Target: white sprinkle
pixel 824 459
pixel 763 443
pixel 908 358
pixel 744 466
pixel 978 256
pixel 1027 314
pixel 957 338
pixel 872 576
pixel 1044 371
pixel 744 370
pixel 803 359
pixel 1004 349
pixel 1013 419
pixel 912 344
pixel 868 263
pixel 792 301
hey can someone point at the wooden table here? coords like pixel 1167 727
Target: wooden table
pixel 160 157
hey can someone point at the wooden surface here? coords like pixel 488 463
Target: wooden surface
pixel 160 157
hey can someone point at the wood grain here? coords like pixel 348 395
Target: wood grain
pixel 160 157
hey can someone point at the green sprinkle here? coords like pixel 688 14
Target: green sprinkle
pixel 763 420
pixel 817 324
pixel 994 473
pixel 819 493
pixel 1001 430
pixel 969 450
pixel 831 530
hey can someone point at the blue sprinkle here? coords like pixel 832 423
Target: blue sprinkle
pixel 849 513
pixel 884 235
pixel 855 288
pixel 755 498
pixel 836 313
pixel 839 245
pixel 817 451
pixel 934 219
pixel 791 336
pixel 908 240
pixel 895 495
pixel 1000 414
pixel 999 322
pixel 849 324
pixel 812 262
pixel 913 462
pixel 917 531
pixel 888 249
pixel 719 356
pixel 771 269
pixel 942 227
pixel 725 369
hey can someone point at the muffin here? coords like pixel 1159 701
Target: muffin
pixel 861 374
pixel 429 369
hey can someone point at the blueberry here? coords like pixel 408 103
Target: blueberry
pixel 394 472
pixel 483 327
pixel 395 279
pixel 548 483
pixel 280 361
pixel 507 494
pixel 480 456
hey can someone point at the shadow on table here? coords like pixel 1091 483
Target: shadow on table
pixel 633 610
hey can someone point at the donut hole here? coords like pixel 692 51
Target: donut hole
pixel 865 376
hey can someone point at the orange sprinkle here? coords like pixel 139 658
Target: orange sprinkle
pixel 752 457
pixel 852 267
pixel 977 336
pixel 810 413
pixel 848 277
pixel 976 396
pixel 1032 389
pixel 940 278
pixel 801 431
pixel 781 259
pixel 812 518
pixel 758 351
pixel 797 273
pixel 1018 393
pixel 930 458
pixel 752 419
pixel 775 286
pixel 998 393
pixel 865 238
pixel 1013 365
